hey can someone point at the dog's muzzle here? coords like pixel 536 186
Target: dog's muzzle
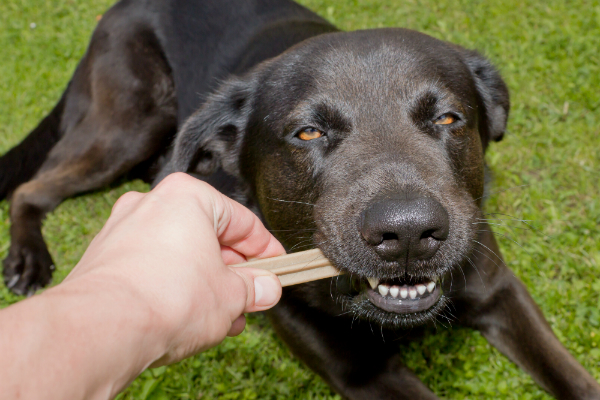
pixel 402 298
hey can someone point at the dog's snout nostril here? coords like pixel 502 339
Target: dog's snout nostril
pixel 436 234
pixel 405 229
pixel 389 236
pixel 428 234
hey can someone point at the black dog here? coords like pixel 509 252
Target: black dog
pixel 367 144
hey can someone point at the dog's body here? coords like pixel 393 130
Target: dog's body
pixel 368 145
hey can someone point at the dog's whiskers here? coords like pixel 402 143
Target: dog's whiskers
pixel 501 225
pixel 476 270
pixel 304 243
pixel 513 218
pixel 293 230
pixel 295 235
pixel 292 201
pixel 487 195
pixel 463 274
pixel 490 250
pixel 452 317
pixel 486 256
pixel 504 236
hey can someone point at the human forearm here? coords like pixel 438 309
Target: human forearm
pixel 74 341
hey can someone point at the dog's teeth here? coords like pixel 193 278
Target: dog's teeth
pixel 412 292
pixel 421 289
pixel 403 292
pixel 430 287
pixel 373 282
pixel 394 290
pixel 383 290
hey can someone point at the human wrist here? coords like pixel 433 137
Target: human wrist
pixel 121 333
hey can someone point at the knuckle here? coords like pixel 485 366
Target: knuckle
pixel 176 180
pixel 245 285
pixel 181 182
pixel 126 199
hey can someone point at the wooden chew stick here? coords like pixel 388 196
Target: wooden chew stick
pixel 294 268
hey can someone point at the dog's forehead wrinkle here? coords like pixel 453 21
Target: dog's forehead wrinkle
pixel 393 105
pixel 385 64
pixel 385 81
pixel 378 56
pixel 323 110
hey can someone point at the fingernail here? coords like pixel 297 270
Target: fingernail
pixel 265 291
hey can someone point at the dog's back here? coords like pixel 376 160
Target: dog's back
pixel 207 41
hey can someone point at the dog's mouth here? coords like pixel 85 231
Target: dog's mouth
pixel 403 297
pixel 394 303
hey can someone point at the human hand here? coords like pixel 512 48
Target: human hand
pixel 168 250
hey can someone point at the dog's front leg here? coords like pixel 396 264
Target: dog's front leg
pixel 351 358
pixel 494 301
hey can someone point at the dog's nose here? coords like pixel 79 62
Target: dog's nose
pixel 405 229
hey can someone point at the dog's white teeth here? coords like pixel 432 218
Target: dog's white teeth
pixel 404 292
pixel 383 290
pixel 412 292
pixel 373 282
pixel 431 287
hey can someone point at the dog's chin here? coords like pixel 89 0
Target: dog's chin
pixel 393 303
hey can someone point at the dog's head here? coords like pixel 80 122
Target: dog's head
pixel 368 145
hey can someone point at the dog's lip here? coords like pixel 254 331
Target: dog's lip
pixel 402 298
pixel 404 306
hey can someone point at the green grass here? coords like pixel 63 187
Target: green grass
pixel 547 170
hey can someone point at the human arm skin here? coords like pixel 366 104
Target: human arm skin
pixel 151 289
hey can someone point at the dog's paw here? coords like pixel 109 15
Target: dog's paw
pixel 27 268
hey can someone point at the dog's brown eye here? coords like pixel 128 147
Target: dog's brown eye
pixel 445 119
pixel 310 134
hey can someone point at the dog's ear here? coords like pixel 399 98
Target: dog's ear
pixel 494 97
pixel 212 136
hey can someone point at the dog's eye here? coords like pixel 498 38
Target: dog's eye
pixel 310 134
pixel 445 119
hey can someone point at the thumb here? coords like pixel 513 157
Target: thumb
pixel 263 288
pixel 263 291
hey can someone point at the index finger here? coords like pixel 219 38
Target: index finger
pixel 236 226
pixel 240 229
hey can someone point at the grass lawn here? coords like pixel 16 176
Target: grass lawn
pixel 547 171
